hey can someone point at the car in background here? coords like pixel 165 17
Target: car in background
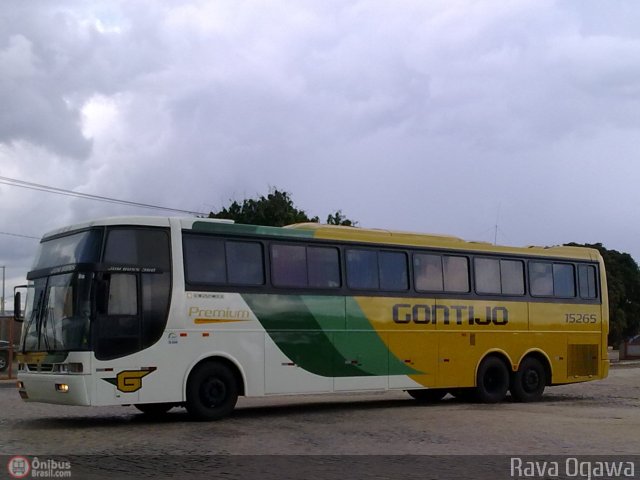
pixel 4 355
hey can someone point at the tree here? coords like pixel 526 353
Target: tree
pixel 339 219
pixel 276 210
pixel 623 285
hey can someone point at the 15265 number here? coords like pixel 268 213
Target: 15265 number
pixel 580 317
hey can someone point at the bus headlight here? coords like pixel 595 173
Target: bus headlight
pixel 62 387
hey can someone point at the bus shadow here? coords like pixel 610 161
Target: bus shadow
pixel 307 409
pixel 180 415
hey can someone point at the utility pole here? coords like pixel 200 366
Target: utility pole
pixel 2 306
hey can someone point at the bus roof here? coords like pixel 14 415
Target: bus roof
pixel 390 237
pixel 335 232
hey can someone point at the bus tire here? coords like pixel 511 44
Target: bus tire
pixel 154 409
pixel 492 380
pixel 428 395
pixel 527 384
pixel 212 391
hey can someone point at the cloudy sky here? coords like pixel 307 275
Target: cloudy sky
pixel 443 116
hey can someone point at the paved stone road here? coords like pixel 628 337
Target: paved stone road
pixel 597 418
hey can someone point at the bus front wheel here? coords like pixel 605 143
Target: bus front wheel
pixel 492 380
pixel 212 391
pixel 527 384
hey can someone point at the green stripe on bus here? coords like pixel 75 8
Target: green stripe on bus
pixel 241 229
pixel 364 338
pixel 310 331
pixel 299 335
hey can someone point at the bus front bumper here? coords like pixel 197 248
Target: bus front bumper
pixel 58 389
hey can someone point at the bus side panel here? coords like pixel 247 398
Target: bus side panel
pixel 468 331
pixel 384 341
pixel 572 335
pixel 288 375
pixel 299 342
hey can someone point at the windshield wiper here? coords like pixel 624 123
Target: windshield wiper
pixel 32 319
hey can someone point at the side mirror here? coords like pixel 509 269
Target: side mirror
pixel 17 307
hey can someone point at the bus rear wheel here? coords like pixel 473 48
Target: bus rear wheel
pixel 212 391
pixel 527 384
pixel 492 380
pixel 428 395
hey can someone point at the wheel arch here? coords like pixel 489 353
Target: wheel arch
pixel 495 352
pixel 543 358
pixel 224 359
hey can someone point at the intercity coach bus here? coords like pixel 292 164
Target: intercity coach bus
pixel 162 312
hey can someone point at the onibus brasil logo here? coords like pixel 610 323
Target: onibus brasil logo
pixel 21 467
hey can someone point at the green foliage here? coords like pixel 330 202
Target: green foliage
pixel 623 284
pixel 276 210
pixel 338 218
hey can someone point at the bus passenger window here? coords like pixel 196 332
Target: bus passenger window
pixel 324 267
pixel 487 273
pixel 563 280
pixel 393 271
pixel 244 263
pixel 288 266
pixel 541 278
pixel 587 281
pixel 512 277
pixel 362 269
pixel 204 260
pixel 427 272
pixel 456 274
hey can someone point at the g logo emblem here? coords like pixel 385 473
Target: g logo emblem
pixel 129 381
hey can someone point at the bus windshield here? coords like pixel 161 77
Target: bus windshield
pixel 58 313
pixel 81 247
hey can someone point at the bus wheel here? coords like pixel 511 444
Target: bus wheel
pixel 154 409
pixel 528 383
pixel 212 391
pixel 492 380
pixel 428 395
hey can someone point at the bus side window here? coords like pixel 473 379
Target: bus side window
pixel 487 273
pixel 541 278
pixel 204 260
pixel 362 269
pixel 123 295
pixel 323 265
pixel 564 283
pixel 393 271
pixel 427 272
pixel 289 265
pixel 587 281
pixel 245 265
pixel 512 277
pixel 456 274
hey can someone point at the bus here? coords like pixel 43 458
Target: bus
pixel 161 312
